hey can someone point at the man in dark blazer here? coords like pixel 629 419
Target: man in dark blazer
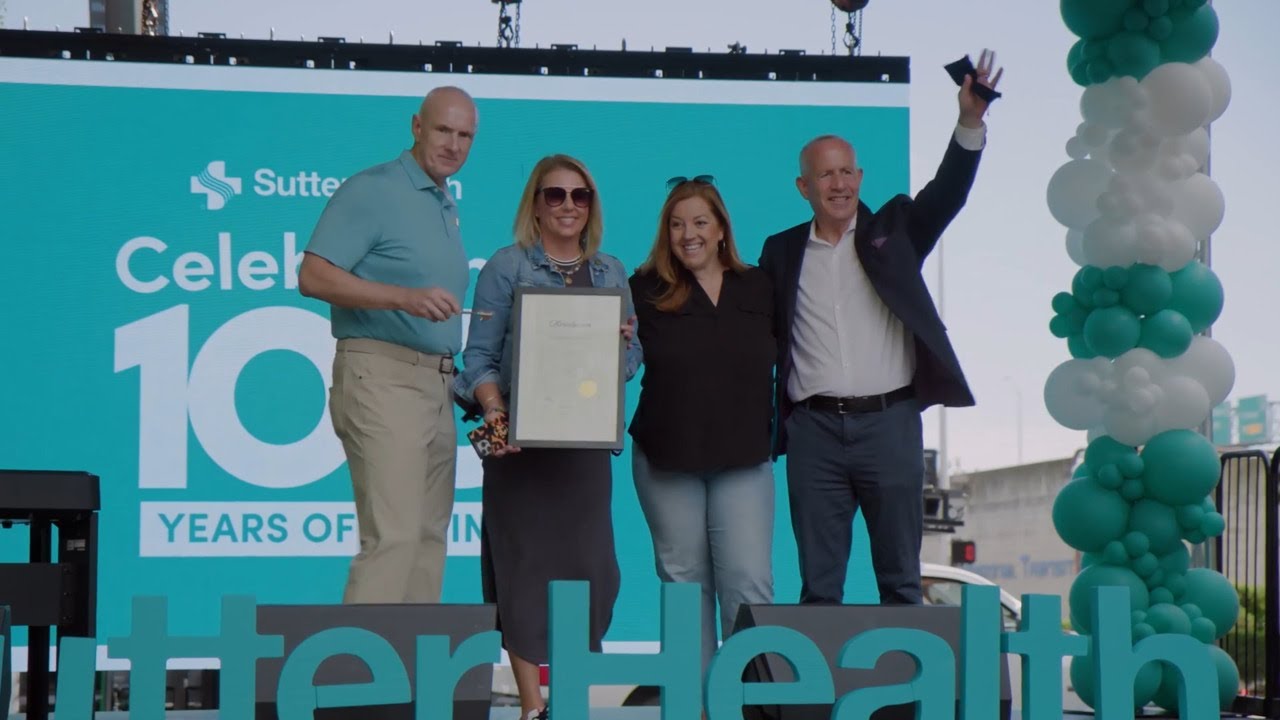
pixel 862 352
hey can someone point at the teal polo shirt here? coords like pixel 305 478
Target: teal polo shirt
pixel 392 224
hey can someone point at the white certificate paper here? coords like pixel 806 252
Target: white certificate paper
pixel 567 389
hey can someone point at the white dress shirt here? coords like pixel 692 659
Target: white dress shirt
pixel 845 341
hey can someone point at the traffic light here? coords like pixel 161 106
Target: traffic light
pixel 964 552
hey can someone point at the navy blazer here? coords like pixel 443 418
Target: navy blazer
pixel 892 245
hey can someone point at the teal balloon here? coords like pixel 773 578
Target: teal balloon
pixel 1112 331
pixel 1082 471
pixel 1155 8
pixel 1109 477
pixel 1155 579
pixel 1115 277
pixel 1192 611
pixel 1168 620
pixel 1161 596
pixel 1105 297
pixel 1195 537
pixel 1063 303
pixel 1134 53
pixel 1145 683
pixel 1086 280
pixel 1079 349
pixel 1136 21
pixel 1148 290
pixel 1081 593
pixel 1094 18
pixel 1177 585
pixel 1160 29
pixel 1076 67
pixel 1213 524
pixel 1155 520
pixel 1203 630
pixel 1132 490
pixel 1146 565
pixel 1166 333
pixel 1228 681
pixel 1131 465
pixel 1215 596
pixel 1060 326
pixel 1190 516
pixel 1197 295
pixel 1106 450
pixel 1136 544
pixel 1087 559
pixel 1088 516
pixel 1177 561
pixel 1095 49
pixel 1182 467
pixel 1192 37
pixel 1076 319
pixel 1115 553
pixel 1100 71
pixel 1142 631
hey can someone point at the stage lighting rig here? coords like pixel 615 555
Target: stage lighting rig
pixel 508 25
pixel 852 26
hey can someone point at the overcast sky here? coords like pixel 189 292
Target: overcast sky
pixel 1005 255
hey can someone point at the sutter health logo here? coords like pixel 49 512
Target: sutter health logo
pixel 216 186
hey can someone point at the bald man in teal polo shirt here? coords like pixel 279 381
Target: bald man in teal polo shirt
pixel 387 256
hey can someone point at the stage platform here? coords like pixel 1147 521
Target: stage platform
pixel 512 713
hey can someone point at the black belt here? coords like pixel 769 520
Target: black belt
pixel 865 404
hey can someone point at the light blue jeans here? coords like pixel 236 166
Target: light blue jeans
pixel 715 530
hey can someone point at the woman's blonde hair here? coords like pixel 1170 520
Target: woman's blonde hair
pixel 677 282
pixel 526 225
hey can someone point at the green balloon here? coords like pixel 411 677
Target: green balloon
pixel 1160 29
pixel 1106 450
pixel 1213 524
pixel 1088 516
pixel 1063 303
pixel 1135 20
pixel 1155 8
pixel 1080 596
pixel 1115 277
pixel 1193 35
pixel 1148 290
pixel 1076 319
pixel 1146 565
pixel 1136 544
pixel 1192 611
pixel 1133 53
pixel 1115 554
pixel 1105 297
pixel 1130 465
pixel 1228 681
pixel 1132 489
pixel 1155 579
pixel 1215 596
pixel 1080 349
pixel 1094 18
pixel 1100 71
pixel 1156 521
pixel 1112 331
pixel 1145 683
pixel 1189 516
pixel 1166 333
pixel 1168 619
pixel 1177 585
pixel 1060 326
pixel 1075 64
pixel 1197 295
pixel 1182 467
pixel 1161 596
pixel 1109 477
pixel 1176 562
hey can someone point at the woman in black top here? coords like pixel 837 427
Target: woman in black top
pixel 702 428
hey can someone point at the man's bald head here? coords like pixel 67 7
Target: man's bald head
pixel 815 145
pixel 443 130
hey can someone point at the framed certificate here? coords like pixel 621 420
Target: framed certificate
pixel 568 368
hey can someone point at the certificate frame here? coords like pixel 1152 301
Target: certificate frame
pixel 534 360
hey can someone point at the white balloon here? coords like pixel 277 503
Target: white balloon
pixel 1074 190
pixel 1210 364
pixel 1095 433
pixel 1154 365
pixel 1129 427
pixel 1180 99
pixel 1194 144
pixel 1152 233
pixel 1185 404
pixel 1065 398
pixel 1219 85
pixel 1108 243
pixel 1154 194
pixel 1112 103
pixel 1199 205
pixel 1075 247
pixel 1133 151
pixel 1093 135
pixel 1179 248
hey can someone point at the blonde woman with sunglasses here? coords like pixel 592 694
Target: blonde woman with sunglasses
pixel 547 511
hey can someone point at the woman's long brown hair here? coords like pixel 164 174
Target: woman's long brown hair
pixel 678 282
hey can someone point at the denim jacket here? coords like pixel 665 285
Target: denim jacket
pixel 487 356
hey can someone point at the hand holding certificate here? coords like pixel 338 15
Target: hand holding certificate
pixel 568 371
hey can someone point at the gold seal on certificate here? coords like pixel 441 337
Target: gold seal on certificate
pixel 568 368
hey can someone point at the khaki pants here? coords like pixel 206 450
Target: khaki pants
pixel 392 409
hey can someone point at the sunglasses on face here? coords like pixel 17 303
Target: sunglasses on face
pixel 555 196
pixel 677 180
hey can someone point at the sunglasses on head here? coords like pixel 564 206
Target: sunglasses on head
pixel 555 196
pixel 679 179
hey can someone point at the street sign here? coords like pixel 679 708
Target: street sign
pixel 1254 418
pixel 1222 424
